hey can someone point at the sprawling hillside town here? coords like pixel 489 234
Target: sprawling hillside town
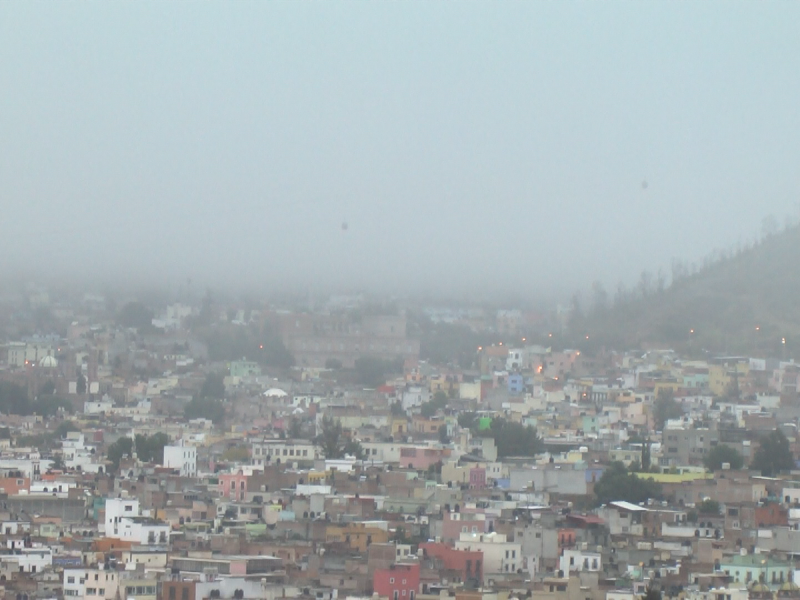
pixel 210 450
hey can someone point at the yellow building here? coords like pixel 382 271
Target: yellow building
pixel 399 426
pixel 721 377
pixel 668 385
pixel 358 536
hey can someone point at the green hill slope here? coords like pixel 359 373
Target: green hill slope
pixel 746 303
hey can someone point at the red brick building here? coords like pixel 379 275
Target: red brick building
pixel 770 515
pixel 467 563
pixel 398 582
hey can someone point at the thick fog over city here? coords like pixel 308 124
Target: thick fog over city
pixel 376 300
pixel 430 147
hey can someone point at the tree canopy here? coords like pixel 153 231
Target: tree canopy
pixel 651 593
pixel 432 406
pixel 512 439
pixel 709 507
pixel 205 408
pixel 151 448
pixel 262 345
pixel 123 446
pixel 213 386
pixel 135 315
pixel 148 448
pixel 665 408
pixel 14 401
pixel 617 483
pixel 334 443
pixel 373 372
pixel 773 455
pixel 721 454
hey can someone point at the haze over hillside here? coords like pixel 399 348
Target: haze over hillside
pixel 745 301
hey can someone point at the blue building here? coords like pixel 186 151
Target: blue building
pixel 516 384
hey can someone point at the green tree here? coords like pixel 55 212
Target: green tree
pixel 213 386
pixel 665 408
pixel 236 454
pixel 353 448
pixel 14 399
pixel 135 315
pixel 432 406
pixel 205 408
pixel 64 428
pixel 48 406
pixel 123 446
pixel 331 438
pixel 617 483
pixel 48 388
pixel 708 507
pixel 443 437
pixel 371 371
pixel 515 439
pixel 80 386
pixel 295 428
pixel 645 461
pixel 723 453
pixel 334 443
pixel 651 593
pixel 468 420
pixel 773 455
pixel 58 462
pixel 151 448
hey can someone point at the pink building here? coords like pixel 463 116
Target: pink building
pixel 421 458
pixel 477 478
pixel 233 486
pixel 454 524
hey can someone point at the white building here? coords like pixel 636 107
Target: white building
pixel 415 396
pixel 116 510
pixel 28 560
pixel 21 353
pixel 182 458
pixel 580 560
pixel 517 359
pixel 90 584
pixel 499 555
pixel 59 489
pixel 124 522
pixel 267 452
pixel 98 407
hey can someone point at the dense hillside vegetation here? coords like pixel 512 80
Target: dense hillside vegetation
pixel 746 300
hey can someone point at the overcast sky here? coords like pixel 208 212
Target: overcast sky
pixel 467 145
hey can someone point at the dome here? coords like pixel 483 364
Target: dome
pixel 275 393
pixel 789 590
pixel 49 362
